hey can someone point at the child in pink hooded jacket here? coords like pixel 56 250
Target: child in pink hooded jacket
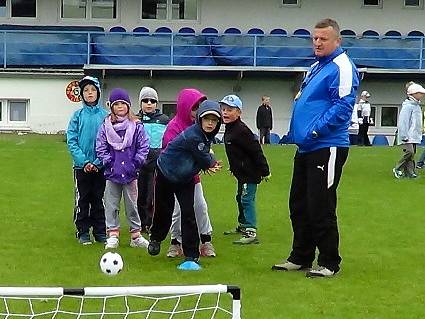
pixel 188 101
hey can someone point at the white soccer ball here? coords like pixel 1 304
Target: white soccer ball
pixel 111 263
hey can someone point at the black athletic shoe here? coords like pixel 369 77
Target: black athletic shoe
pixel 154 247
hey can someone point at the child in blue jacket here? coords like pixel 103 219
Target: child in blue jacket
pixel 154 122
pixel 88 174
pixel 184 157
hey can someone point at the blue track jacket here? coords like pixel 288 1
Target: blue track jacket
pixel 324 104
pixel 82 132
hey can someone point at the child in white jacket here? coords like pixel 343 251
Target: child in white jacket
pixel 409 130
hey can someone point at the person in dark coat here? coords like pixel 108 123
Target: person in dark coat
pixel 264 120
pixel 247 163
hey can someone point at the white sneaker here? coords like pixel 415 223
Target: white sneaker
pixel 289 266
pixel 207 249
pixel 174 251
pixel 139 242
pixel 397 173
pixel 112 242
pixel 320 272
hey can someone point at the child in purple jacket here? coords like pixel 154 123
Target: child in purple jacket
pixel 122 146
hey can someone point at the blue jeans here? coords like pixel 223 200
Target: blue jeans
pixel 245 198
pixel 422 158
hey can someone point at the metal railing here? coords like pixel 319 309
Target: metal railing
pixel 28 48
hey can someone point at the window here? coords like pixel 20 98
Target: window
pixel 3 8
pixel 389 116
pixel 372 3
pixel 73 9
pixel 17 111
pixel 184 10
pixel 18 8
pixel 170 9
pixel 24 8
pixel 413 3
pixel 104 9
pixel 89 9
pixel 13 113
pixel 154 9
pixel 291 3
pixel 169 109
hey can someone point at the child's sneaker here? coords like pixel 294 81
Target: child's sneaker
pixel 154 247
pixel 249 237
pixel 397 173
pixel 174 251
pixel 420 165
pixel 84 239
pixel 320 272
pixel 139 242
pixel 289 266
pixel 235 231
pixel 207 250
pixel 112 242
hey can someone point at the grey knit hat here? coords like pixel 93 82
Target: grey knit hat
pixel 147 93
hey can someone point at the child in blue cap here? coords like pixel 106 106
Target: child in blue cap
pixel 247 163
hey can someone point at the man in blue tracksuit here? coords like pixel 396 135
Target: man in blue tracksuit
pixel 319 127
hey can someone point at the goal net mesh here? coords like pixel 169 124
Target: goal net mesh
pixel 144 305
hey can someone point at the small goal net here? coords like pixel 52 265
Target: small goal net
pixel 150 302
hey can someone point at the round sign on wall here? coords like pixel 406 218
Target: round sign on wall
pixel 73 91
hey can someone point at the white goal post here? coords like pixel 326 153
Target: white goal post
pixel 147 302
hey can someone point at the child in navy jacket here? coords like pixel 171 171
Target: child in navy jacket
pixel 184 157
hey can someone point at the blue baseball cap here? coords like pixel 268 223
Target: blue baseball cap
pixel 232 100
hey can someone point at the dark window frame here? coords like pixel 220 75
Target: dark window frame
pixel 150 11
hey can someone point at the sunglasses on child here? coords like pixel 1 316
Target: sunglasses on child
pixel 153 101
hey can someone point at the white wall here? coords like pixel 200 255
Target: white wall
pixel 49 108
pixel 245 14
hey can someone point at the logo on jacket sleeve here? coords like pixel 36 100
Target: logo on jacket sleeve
pixel 201 146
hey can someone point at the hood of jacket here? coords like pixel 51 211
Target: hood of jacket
pixel 186 99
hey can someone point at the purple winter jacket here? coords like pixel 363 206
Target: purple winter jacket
pixel 122 167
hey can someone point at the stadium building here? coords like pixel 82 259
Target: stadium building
pixel 252 48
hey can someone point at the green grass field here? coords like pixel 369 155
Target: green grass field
pixel 381 223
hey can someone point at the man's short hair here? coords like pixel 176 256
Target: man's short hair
pixel 328 23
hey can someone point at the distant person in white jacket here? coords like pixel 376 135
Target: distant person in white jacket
pixel 409 130
pixel 365 120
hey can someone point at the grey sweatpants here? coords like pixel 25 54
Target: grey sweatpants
pixel 201 213
pixel 407 163
pixel 113 193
